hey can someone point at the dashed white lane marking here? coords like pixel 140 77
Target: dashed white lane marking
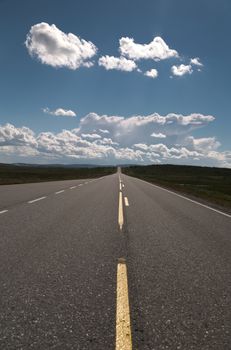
pixel 59 192
pixel 80 185
pixel 120 186
pixel 123 323
pixel 36 200
pixel 126 201
pixel 120 213
pixel 3 211
pixel 71 188
pixel 188 199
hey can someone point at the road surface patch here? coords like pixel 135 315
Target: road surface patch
pixel 123 323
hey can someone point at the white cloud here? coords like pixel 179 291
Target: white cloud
pixel 137 129
pixel 181 70
pixel 159 135
pixel 128 140
pixel 55 48
pixel 196 62
pixel 152 73
pixel 156 50
pixel 60 112
pixel 118 63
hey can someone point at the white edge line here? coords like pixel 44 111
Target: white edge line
pixel 3 211
pixel 36 200
pixel 188 199
pixel 59 192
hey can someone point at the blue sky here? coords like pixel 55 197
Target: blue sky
pixel 140 115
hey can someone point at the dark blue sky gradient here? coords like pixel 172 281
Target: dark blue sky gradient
pixel 194 28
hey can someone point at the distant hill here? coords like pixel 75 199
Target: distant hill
pixel 54 165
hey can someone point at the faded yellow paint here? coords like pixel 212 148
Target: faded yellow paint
pixel 123 325
pixel 120 213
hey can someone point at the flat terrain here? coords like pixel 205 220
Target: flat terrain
pixel 209 184
pixel 19 174
pixel 59 248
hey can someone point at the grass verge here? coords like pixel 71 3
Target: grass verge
pixel 13 174
pixel 210 184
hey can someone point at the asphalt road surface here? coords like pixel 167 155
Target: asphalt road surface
pixel 112 263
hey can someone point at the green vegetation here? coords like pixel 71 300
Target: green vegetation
pixel 210 184
pixel 17 174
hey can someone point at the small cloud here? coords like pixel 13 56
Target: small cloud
pixel 142 146
pixel 91 136
pixel 57 49
pixel 196 62
pixel 118 63
pixel 159 135
pixel 181 70
pixel 153 73
pixel 156 50
pixel 104 131
pixel 60 112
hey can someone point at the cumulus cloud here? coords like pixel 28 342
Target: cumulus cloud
pixel 152 73
pixel 55 48
pixel 118 63
pixel 196 61
pixel 205 144
pixel 12 136
pixel 181 70
pixel 60 112
pixel 127 140
pixel 156 50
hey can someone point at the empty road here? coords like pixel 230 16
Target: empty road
pixel 112 263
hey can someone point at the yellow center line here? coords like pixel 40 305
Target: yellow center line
pixel 120 213
pixel 123 324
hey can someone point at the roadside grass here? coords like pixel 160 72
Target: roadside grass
pixel 211 184
pixel 13 174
